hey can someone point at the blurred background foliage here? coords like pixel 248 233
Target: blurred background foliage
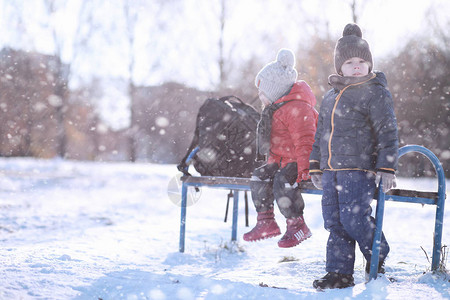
pixel 50 106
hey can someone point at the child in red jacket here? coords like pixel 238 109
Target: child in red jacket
pixel 285 138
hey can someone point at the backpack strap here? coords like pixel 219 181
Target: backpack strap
pixel 182 166
pixel 264 129
pixel 226 98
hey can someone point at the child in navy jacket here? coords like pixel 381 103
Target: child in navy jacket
pixel 356 144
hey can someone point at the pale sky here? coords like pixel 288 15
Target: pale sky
pixel 386 25
pixel 185 49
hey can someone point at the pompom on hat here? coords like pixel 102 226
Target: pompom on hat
pixel 277 78
pixel 351 44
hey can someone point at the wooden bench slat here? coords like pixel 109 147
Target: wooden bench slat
pixel 240 181
pixel 216 180
pixel 307 185
pixel 412 193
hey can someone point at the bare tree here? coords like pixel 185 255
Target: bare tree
pixel 61 75
pixel 225 47
pixel 354 14
pixel 63 70
pixel 221 54
pixel 357 9
pixel 131 17
pixel 438 27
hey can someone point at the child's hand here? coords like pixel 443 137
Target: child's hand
pixel 290 172
pixel 266 171
pixel 388 180
pixel 303 175
pixel 317 180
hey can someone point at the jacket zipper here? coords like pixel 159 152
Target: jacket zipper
pixel 338 97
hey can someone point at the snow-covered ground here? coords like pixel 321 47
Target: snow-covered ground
pixel 78 230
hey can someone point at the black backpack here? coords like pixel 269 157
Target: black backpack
pixel 225 134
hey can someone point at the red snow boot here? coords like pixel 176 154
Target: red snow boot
pixel 266 227
pixel 296 232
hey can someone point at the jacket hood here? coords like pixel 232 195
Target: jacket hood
pixel 340 82
pixel 380 79
pixel 300 91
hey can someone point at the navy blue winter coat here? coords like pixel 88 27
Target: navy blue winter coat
pixel 357 128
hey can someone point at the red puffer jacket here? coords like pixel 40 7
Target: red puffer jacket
pixel 293 129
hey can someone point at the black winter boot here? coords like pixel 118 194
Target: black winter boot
pixel 334 281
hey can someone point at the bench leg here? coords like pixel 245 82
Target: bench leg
pixel 436 259
pixel 439 222
pixel 183 216
pixel 377 236
pixel 235 215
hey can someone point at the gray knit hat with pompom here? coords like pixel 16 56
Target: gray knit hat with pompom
pixel 277 78
pixel 351 45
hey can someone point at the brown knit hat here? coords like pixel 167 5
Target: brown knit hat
pixel 351 45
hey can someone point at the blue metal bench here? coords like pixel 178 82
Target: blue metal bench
pixel 399 195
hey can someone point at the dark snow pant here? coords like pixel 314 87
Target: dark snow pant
pixel 276 186
pixel 347 215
